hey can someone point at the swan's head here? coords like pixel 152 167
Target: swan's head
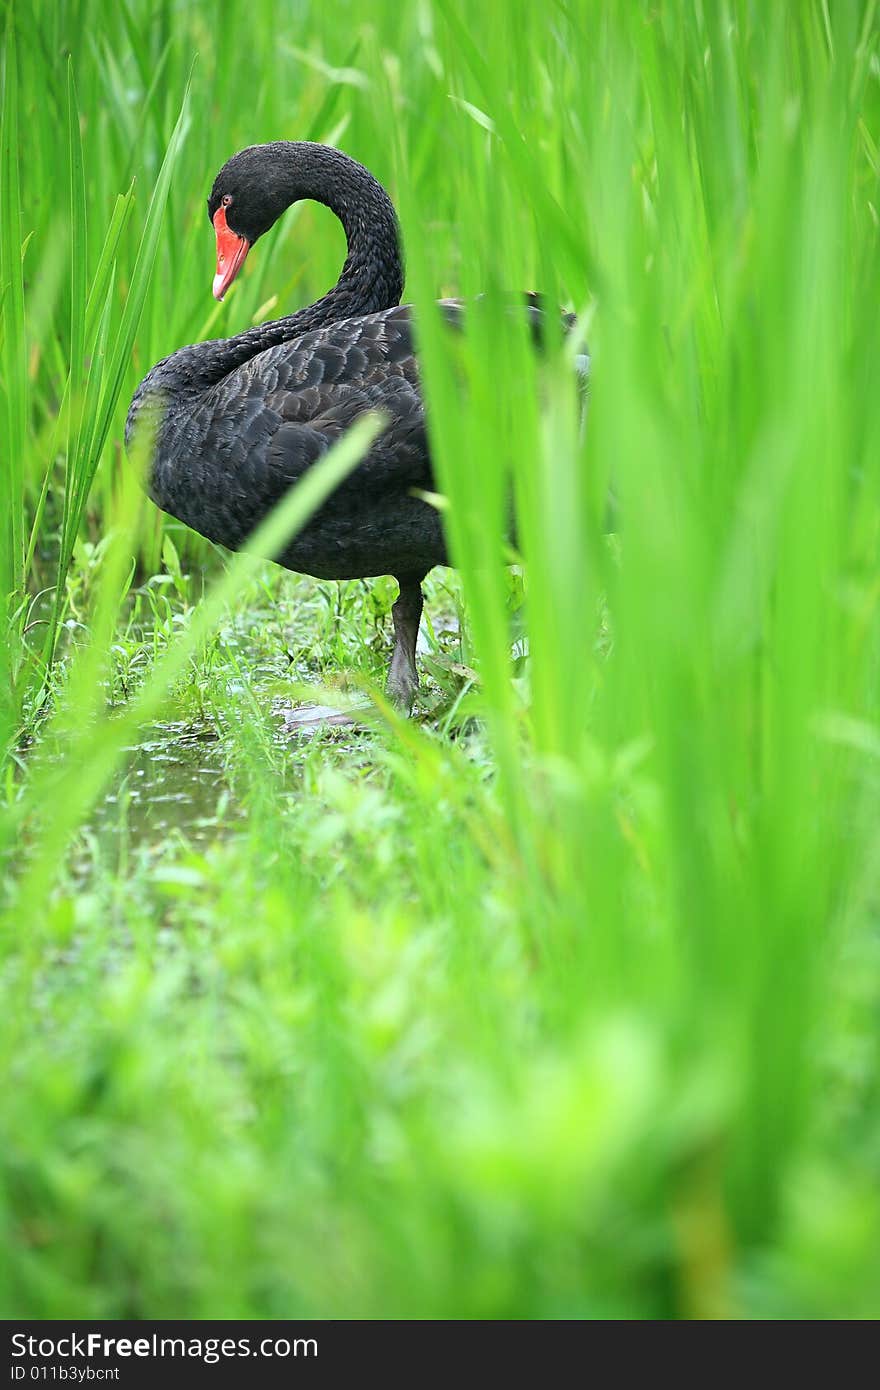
pixel 249 195
pixel 246 199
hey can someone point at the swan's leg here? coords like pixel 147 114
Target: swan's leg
pixel 403 678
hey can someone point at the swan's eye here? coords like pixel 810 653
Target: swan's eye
pixel 226 200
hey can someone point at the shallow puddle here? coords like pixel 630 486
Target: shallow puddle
pixel 173 779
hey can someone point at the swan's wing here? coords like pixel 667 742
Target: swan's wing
pixel 253 435
pixel 271 418
pixel 257 431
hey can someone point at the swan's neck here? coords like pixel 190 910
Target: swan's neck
pixel 371 278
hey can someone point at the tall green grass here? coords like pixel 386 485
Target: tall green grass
pixel 572 1014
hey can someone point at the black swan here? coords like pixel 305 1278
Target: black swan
pixel 238 420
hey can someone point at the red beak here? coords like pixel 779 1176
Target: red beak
pixel 231 251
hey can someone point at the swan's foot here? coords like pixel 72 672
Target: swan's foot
pixel 402 685
pixel 403 677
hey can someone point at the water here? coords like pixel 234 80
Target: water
pixel 174 783
pixel 173 779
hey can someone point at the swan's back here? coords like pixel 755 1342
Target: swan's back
pixel 235 450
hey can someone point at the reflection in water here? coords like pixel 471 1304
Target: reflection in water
pixel 172 780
